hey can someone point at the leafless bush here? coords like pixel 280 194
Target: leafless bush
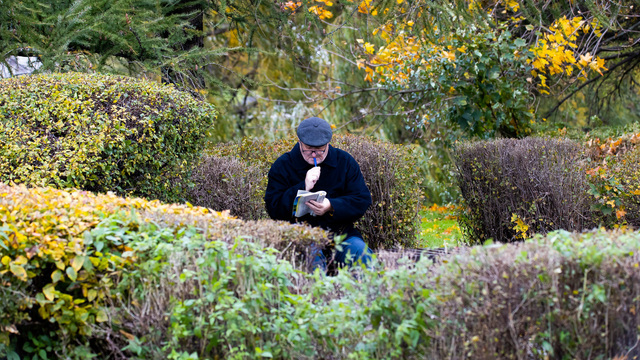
pixel 225 183
pixel 541 181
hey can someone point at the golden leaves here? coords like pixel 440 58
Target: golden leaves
pixel 449 56
pixel 365 7
pixel 554 53
pixel 321 12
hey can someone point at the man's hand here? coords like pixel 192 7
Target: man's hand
pixel 312 177
pixel 319 208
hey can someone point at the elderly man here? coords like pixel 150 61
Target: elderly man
pixel 314 165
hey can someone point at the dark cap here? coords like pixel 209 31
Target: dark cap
pixel 314 132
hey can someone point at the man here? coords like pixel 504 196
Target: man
pixel 338 174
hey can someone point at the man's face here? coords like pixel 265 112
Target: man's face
pixel 310 152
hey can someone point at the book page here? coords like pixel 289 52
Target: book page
pixel 300 207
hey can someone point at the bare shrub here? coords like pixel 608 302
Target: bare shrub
pixel 390 174
pixel 565 296
pixel 234 173
pixel 226 183
pixel 541 181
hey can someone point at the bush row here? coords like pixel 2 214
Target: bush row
pixel 99 133
pixel 234 177
pixel 514 188
pixel 63 256
pixel 182 292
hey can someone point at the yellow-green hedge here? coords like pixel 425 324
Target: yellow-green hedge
pixel 99 133
pixel 62 252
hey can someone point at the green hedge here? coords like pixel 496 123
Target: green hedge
pixel 197 285
pixel 239 171
pixel 65 257
pixel 99 133
pixel 561 296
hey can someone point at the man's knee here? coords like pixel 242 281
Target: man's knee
pixel 354 249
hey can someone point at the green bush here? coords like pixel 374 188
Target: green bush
pixel 560 296
pixel 99 133
pixel 63 257
pixel 389 172
pixel 179 282
pixel 513 188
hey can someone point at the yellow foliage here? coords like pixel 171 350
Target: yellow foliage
pixel 321 12
pixel 554 53
pixel 292 6
pixel 365 7
pixel 520 227
pixel 40 227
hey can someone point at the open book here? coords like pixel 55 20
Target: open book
pixel 300 207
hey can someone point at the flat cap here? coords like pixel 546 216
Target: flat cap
pixel 314 132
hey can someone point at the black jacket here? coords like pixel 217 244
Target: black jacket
pixel 340 177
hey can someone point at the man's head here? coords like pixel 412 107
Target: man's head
pixel 314 135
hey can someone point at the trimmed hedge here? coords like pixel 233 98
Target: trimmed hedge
pixel 99 133
pixel 234 177
pixel 63 255
pixel 561 296
pixel 514 188
pixel 182 283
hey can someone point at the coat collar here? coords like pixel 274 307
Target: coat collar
pixel 331 160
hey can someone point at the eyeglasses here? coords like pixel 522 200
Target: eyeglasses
pixel 318 152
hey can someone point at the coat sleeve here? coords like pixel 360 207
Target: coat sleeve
pixel 280 193
pixel 356 199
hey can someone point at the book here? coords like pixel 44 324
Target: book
pixel 300 207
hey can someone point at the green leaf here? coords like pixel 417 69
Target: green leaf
pixel 49 291
pixel 101 316
pixel 460 100
pixel 520 42
pixel 91 294
pixel 71 273
pixel 56 276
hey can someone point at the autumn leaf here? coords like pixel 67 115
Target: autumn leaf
pixel 49 291
pixel 101 316
pixel 368 47
pixel 77 262
pixel 585 59
pixel 449 56
pixel 18 271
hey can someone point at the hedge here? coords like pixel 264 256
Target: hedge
pixel 63 255
pixel 561 296
pixel 233 176
pixel 99 133
pixel 183 283
pixel 515 188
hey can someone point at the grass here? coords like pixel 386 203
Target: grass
pixel 439 227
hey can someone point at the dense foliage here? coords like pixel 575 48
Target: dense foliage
pixel 99 133
pixel 234 177
pixel 63 256
pixel 147 280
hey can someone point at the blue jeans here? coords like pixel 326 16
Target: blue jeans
pixel 354 250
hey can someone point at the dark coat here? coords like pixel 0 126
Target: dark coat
pixel 340 177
